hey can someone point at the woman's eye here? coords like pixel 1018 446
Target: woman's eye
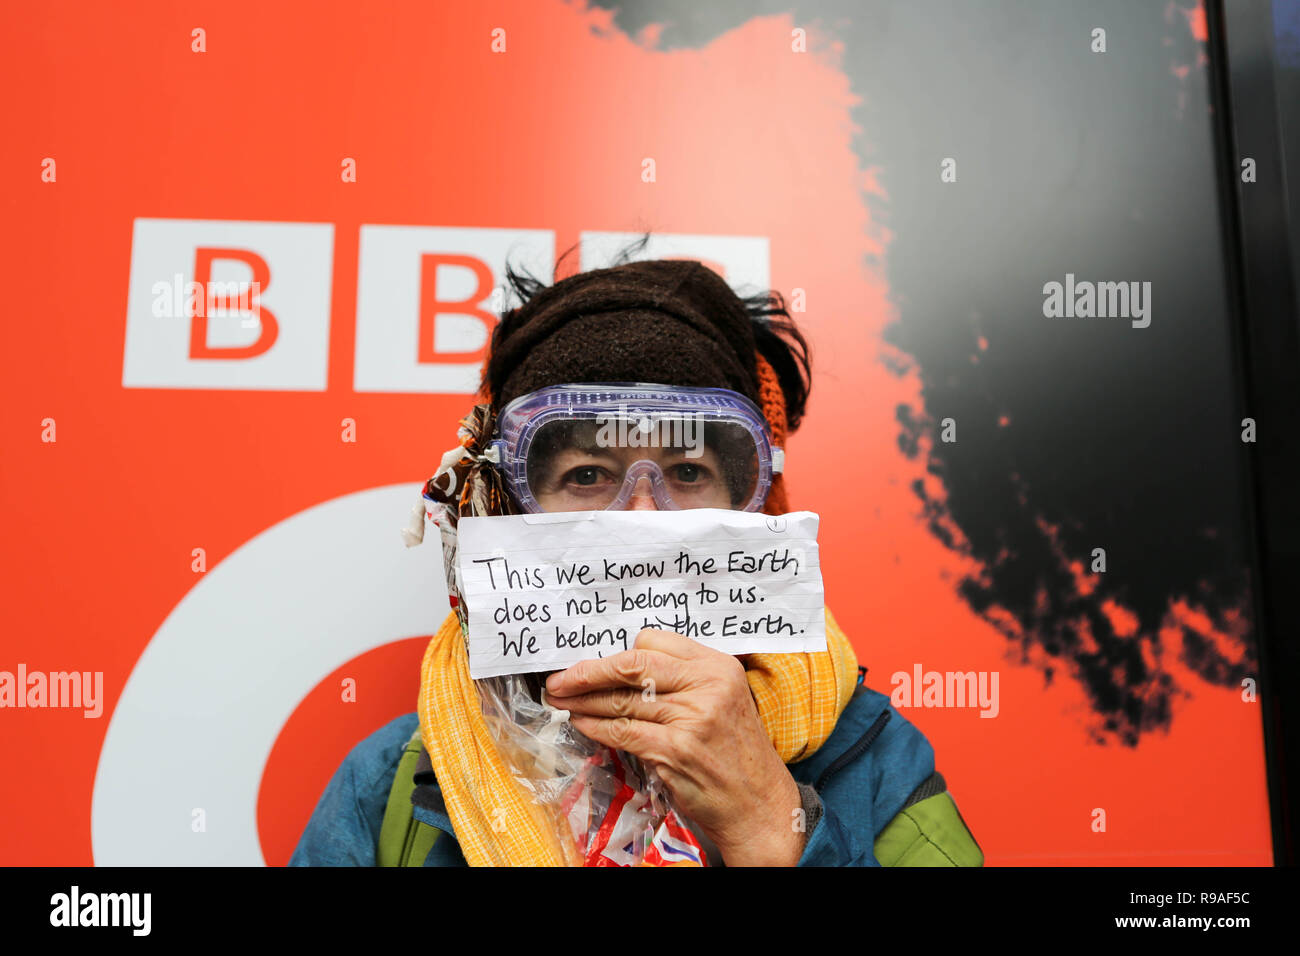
pixel 587 475
pixel 689 473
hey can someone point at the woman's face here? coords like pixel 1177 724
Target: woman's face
pixel 571 469
pixel 581 475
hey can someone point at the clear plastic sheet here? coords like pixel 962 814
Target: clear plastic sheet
pixel 607 808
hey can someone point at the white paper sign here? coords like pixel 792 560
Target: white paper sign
pixel 547 590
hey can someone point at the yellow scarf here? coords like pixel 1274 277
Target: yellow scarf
pixel 800 697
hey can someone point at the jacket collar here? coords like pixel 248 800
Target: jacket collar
pixel 862 711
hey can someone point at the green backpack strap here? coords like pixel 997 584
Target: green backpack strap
pixel 928 831
pixel 404 840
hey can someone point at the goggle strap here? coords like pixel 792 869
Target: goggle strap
pixel 778 460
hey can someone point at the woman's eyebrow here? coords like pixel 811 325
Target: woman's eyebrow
pixel 684 446
pixel 587 445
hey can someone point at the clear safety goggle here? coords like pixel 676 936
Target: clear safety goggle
pixel 593 447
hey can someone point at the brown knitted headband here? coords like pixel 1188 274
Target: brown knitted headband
pixel 670 321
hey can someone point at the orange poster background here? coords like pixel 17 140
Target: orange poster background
pixel 99 525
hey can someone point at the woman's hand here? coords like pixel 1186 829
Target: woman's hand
pixel 687 710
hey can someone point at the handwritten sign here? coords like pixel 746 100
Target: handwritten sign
pixel 545 591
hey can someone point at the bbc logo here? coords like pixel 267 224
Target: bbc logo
pixel 427 299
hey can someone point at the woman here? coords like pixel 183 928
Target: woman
pixel 768 759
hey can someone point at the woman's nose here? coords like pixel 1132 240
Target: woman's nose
pixel 643 498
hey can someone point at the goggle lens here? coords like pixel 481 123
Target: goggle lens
pixel 684 460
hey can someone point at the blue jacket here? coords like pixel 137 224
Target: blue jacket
pixel 864 774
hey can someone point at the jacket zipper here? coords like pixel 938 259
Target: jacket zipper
pixel 844 759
